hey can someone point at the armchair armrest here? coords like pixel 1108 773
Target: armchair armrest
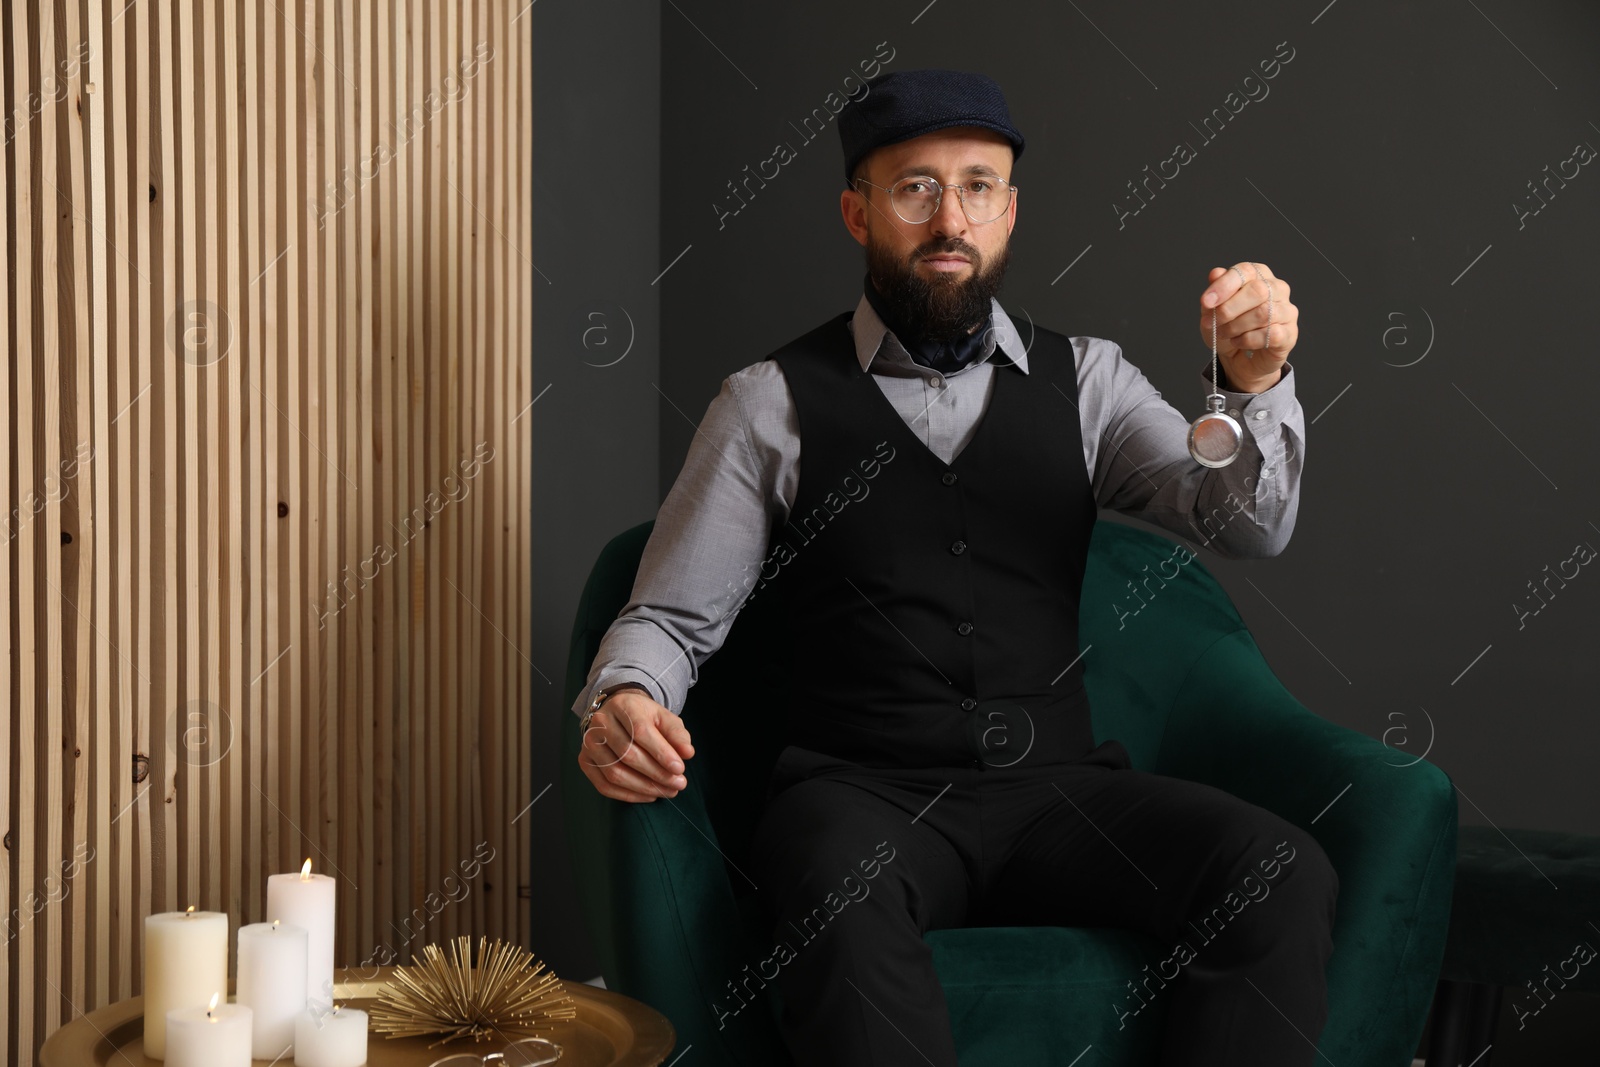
pixel 660 910
pixel 1386 819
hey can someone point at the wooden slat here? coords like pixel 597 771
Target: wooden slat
pixel 28 238
pixel 347 553
pixel 514 287
pixel 185 841
pixel 513 297
pixel 54 336
pixel 159 742
pixel 466 355
pixel 522 41
pixel 247 758
pixel 299 590
pixel 492 553
pixel 507 115
pixel 407 754
pixel 90 984
pixel 14 516
pixel 412 411
pixel 322 837
pixel 144 186
pixel 20 1011
pixel 474 236
pixel 338 675
pixel 223 459
pixel 124 146
pixel 457 718
pixel 81 595
pixel 363 847
pixel 162 796
pixel 235 663
pixel 209 459
pixel 483 792
pixel 313 462
pixel 390 586
pixel 267 740
pixel 440 728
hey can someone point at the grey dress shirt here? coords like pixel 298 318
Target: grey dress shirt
pixel 739 479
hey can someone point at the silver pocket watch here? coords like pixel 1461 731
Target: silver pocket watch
pixel 1215 438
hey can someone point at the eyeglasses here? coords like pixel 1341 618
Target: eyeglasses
pixel 529 1052
pixel 916 199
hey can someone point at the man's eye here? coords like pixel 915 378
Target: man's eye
pixel 914 188
pixel 979 185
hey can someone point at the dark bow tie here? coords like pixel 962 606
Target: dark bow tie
pixel 946 357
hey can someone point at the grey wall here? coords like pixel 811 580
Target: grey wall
pixel 595 433
pixel 1446 350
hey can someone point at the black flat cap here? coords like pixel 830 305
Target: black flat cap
pixel 904 104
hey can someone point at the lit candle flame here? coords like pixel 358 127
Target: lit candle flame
pixel 213 1006
pixel 305 872
pixel 275 924
pixel 190 912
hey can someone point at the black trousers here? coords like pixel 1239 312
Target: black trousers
pixel 855 864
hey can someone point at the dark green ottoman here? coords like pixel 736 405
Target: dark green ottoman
pixel 1523 916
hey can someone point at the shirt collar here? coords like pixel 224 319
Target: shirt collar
pixel 873 338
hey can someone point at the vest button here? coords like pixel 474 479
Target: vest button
pixel 968 704
pixel 949 478
pixel 964 629
pixel 958 548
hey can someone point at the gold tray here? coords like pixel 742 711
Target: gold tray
pixel 610 1030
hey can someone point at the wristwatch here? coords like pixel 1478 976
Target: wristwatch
pixel 600 697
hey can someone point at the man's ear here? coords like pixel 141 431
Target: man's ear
pixel 853 207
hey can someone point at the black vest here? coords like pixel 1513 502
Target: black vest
pixel 933 608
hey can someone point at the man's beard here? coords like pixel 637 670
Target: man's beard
pixel 940 308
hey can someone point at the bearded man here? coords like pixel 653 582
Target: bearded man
pixel 926 479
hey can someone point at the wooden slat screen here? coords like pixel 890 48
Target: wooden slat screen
pixel 263 444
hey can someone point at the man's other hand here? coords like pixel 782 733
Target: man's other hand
pixel 634 749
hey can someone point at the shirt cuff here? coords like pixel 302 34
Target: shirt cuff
pixel 617 677
pixel 1269 404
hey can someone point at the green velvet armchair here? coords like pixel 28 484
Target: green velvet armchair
pixel 1174 675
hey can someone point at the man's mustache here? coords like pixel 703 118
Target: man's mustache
pixel 957 248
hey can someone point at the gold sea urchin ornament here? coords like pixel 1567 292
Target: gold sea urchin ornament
pixel 502 997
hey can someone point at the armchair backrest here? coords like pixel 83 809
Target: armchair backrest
pixel 1150 610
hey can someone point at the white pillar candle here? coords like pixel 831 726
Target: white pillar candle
pixel 185 961
pixel 214 1036
pixel 336 1038
pixel 272 984
pixel 307 900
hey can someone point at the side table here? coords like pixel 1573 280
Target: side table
pixel 610 1030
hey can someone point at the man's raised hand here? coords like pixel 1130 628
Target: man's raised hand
pixel 1238 295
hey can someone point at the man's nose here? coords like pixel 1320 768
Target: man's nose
pixel 949 220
